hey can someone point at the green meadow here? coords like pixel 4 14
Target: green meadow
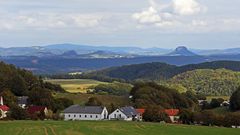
pixel 106 128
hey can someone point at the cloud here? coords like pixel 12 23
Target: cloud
pixel 149 16
pixel 49 20
pixel 170 14
pixel 154 16
pixel 187 7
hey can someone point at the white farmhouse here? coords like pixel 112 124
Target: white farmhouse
pixel 125 113
pixel 77 112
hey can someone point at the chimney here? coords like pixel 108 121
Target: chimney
pixel 1 100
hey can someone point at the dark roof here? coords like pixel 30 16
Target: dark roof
pixel 84 109
pixel 34 109
pixel 128 111
pixel 22 100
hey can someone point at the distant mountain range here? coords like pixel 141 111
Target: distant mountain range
pixel 63 58
pixel 108 52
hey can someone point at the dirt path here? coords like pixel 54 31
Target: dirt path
pixel 45 130
pixel 52 130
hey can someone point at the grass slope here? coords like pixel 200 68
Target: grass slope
pixel 106 128
pixel 105 99
pixel 76 85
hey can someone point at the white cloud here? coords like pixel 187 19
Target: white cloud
pixel 154 16
pixel 187 7
pixel 171 14
pixel 149 16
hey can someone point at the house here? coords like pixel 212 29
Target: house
pixel 202 102
pixel 125 113
pixel 225 103
pixel 37 109
pixel 173 114
pixel 22 101
pixel 140 113
pixel 3 109
pixel 77 112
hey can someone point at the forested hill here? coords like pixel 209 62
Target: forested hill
pixel 209 82
pixel 158 71
pixel 21 82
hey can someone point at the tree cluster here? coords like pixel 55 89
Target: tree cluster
pixel 151 94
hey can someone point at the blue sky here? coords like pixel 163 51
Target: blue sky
pixel 199 24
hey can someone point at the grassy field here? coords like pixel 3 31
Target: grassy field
pixel 106 128
pixel 209 98
pixel 105 99
pixel 76 85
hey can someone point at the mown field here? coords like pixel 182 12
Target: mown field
pixel 106 128
pixel 76 85
pixel 209 98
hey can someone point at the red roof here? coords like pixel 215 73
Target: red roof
pixel 140 111
pixel 34 109
pixel 172 112
pixel 4 108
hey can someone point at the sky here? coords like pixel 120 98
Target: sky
pixel 201 24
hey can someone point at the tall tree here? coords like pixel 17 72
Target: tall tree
pixel 235 100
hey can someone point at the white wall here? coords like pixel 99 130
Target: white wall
pixel 117 114
pixel 79 116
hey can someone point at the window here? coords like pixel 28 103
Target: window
pixel 80 116
pixel 69 115
pixel 90 116
pixel 74 116
pixel 117 111
pixel 85 116
pixel 115 116
pixel 96 116
pixel 120 116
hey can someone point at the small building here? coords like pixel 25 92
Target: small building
pixel 202 102
pixel 173 114
pixel 22 101
pixel 37 109
pixel 125 113
pixel 77 112
pixel 140 113
pixel 225 103
pixel 3 109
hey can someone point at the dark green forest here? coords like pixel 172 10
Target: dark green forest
pixel 157 71
pixel 18 82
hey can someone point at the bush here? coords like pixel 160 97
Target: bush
pixel 208 118
pixel 216 102
pixel 18 113
pixel 186 116
pixel 232 119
